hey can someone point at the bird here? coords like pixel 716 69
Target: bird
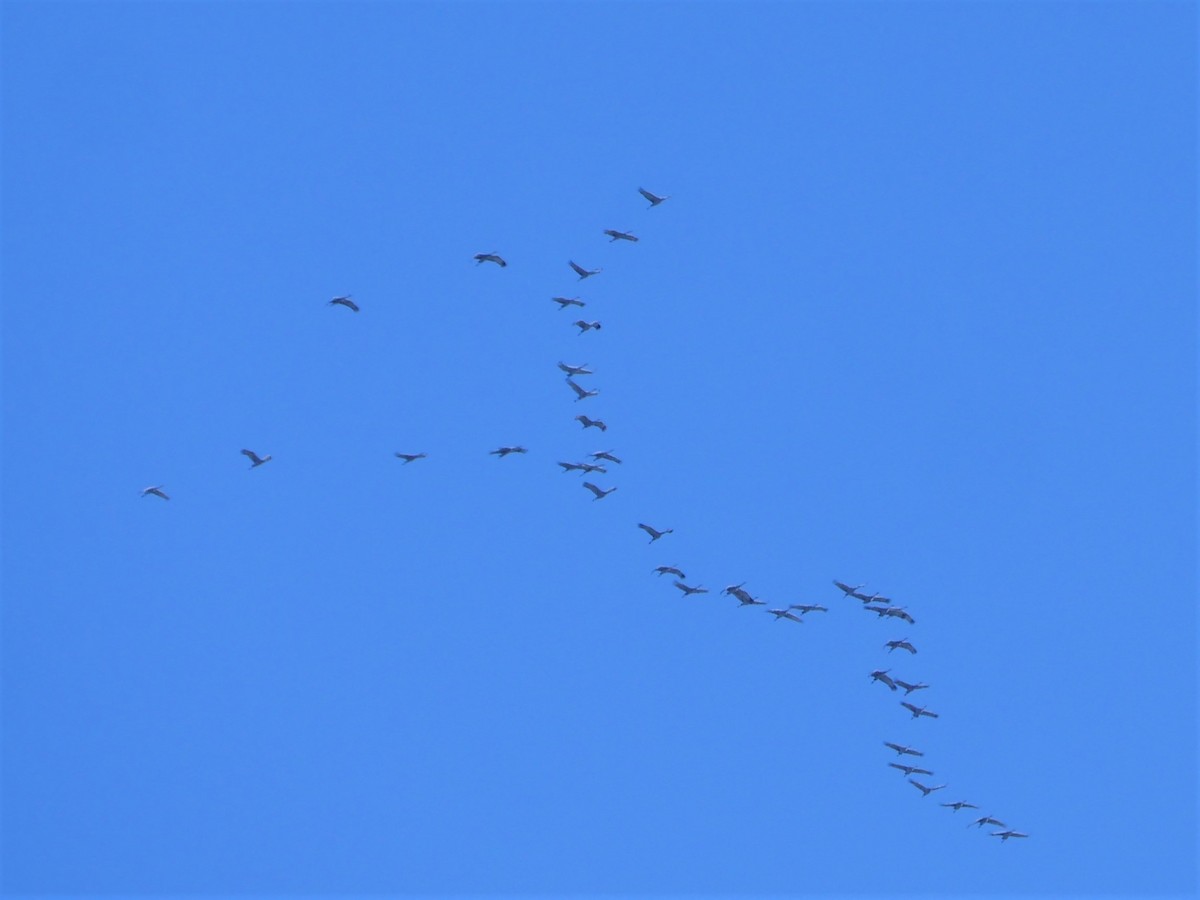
pixel 785 614
pixel 918 711
pixel 571 467
pixel 606 454
pixel 900 645
pixel 654 533
pixel 409 457
pixel 600 494
pixel 903 750
pixel 688 590
pixel 564 302
pixel 988 820
pixel 746 600
pixel 910 770
pixel 575 370
pixel 960 804
pixel 504 451
pixel 156 490
pixel 736 590
pixel 481 258
pixel 586 326
pixel 255 459
pixel 808 607
pixel 869 598
pixel 1005 835
pixel 581 394
pixel 588 468
pixel 882 675
pixel 619 235
pixel 846 589
pixel 909 688
pixel 344 301
pixel 897 612
pixel 653 198
pixel 591 423
pixel 926 791
pixel 581 271
pixel 670 570
pixel 880 610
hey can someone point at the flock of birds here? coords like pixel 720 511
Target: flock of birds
pixel 795 612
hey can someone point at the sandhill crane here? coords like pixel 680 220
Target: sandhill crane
pixel 670 570
pixel 619 235
pixel 581 393
pixel 926 791
pixel 918 711
pixel 881 611
pixel 688 590
pixel 960 804
pixel 847 590
pixel 900 645
pixel 909 688
pixel 344 301
pixel 571 467
pixel 1005 835
pixel 746 600
pixel 481 258
pixel 654 533
pixel 600 494
pixel 575 370
pixel 581 271
pixel 255 459
pixel 502 452
pixel 903 750
pixel 588 468
pixel 156 490
pixel 988 820
pixel 808 607
pixel 564 302
pixel 898 612
pixel 591 423
pixel 910 770
pixel 606 454
pixel 409 457
pixel 785 614
pixel 586 326
pixel 882 675
pixel 653 198
pixel 873 598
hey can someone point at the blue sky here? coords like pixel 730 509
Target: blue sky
pixel 919 313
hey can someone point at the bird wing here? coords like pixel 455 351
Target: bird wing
pixel 254 457
pixel 909 706
pixel 595 490
pixel 579 270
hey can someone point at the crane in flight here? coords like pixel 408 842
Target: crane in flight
pixel 571 467
pixel 575 370
pixel 670 570
pixel 918 711
pixel 924 789
pixel 654 533
pixel 846 589
pixel 909 688
pixel 911 770
pixel 586 326
pixel 591 423
pixel 988 820
pixel 481 258
pixel 785 614
pixel 344 301
pixel 581 393
pixel 959 804
pixel 808 608
pixel 255 459
pixel 581 271
pixel 653 198
pixel 902 750
pixel 564 302
pixel 606 454
pixel 619 235
pixel 410 457
pixel 600 493
pixel 900 645
pixel 502 452
pixel 882 675
pixel 688 590
pixel 1005 835
pixel 156 491
pixel 588 468
pixel 898 612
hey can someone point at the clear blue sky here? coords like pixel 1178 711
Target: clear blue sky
pixel 920 313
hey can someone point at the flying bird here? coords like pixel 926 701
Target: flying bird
pixel 600 494
pixel 575 370
pixel 653 198
pixel 926 791
pixel 909 688
pixel 918 711
pixel 912 770
pixel 670 570
pixel 481 258
pixel 654 533
pixel 606 454
pixel 571 467
pixel 960 804
pixel 504 451
pixel 409 457
pixel 581 271
pixel 880 610
pixel 591 423
pixel 156 490
pixel 903 750
pixel 898 612
pixel 848 590
pixel 900 645
pixel 344 301
pixel 1005 835
pixel 882 675
pixel 255 459
pixel 619 235
pixel 746 600
pixel 688 590
pixel 808 607
pixel 581 394
pixel 588 468
pixel 785 614
pixel 988 820
pixel 586 326
pixel 564 302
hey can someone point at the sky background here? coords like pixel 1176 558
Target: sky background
pixel 919 313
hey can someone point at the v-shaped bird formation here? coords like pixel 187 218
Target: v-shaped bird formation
pixel 883 607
